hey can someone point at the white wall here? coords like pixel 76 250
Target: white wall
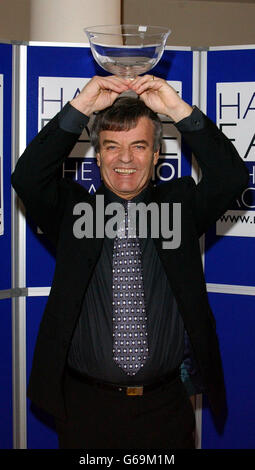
pixel 64 20
pixel 54 20
pixel 193 22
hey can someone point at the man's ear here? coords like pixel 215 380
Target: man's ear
pixel 156 157
pixel 98 159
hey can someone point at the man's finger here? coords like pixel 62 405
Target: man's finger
pixel 151 85
pixel 113 83
pixel 140 80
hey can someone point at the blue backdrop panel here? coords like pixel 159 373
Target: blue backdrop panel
pixel 235 325
pixel 5 374
pixel 237 251
pixel 40 426
pixel 177 65
pixel 71 62
pixel 5 239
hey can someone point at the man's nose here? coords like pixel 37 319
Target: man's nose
pixel 125 155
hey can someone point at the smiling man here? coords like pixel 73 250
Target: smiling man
pixel 126 158
pixel 111 341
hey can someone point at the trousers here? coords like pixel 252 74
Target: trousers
pixel 107 419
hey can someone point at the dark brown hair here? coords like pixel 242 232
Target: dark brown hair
pixel 123 115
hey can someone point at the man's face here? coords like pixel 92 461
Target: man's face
pixel 126 158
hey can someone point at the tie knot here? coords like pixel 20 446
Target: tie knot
pixel 126 204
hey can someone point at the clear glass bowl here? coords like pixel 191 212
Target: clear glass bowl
pixel 127 50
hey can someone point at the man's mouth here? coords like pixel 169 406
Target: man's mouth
pixel 125 171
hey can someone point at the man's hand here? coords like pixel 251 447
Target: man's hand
pixel 99 93
pixel 160 97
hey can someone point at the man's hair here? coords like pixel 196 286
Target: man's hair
pixel 123 115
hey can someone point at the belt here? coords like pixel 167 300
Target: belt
pixel 129 390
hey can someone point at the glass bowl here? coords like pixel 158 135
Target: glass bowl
pixel 127 50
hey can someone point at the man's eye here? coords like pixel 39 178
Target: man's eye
pixel 111 147
pixel 139 147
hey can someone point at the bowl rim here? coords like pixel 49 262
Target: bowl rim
pixel 161 29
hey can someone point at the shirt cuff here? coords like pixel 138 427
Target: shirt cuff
pixel 194 122
pixel 72 120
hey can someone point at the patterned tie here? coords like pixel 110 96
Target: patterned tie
pixel 130 345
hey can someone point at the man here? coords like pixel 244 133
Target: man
pixel 108 353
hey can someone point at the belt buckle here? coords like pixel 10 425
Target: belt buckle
pixel 134 391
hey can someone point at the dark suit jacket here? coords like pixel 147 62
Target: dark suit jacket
pixel 50 201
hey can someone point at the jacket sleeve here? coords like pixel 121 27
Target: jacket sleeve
pixel 224 174
pixel 37 177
